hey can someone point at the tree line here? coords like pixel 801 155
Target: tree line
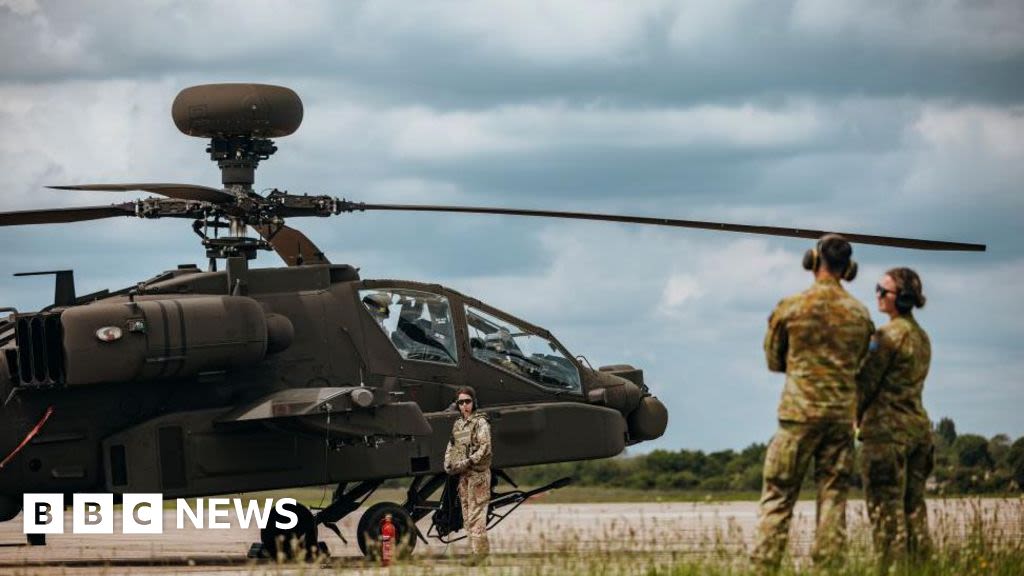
pixel 964 464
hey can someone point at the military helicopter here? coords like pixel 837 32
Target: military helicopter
pixel 203 382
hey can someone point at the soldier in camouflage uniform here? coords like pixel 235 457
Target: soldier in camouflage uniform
pixel 897 455
pixel 819 338
pixel 469 457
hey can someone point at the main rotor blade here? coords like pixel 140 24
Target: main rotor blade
pixel 179 191
pixel 725 227
pixel 291 245
pixel 62 215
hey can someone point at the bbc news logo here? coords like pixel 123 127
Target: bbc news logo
pixel 143 513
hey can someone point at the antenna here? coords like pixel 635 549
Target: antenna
pixel 64 285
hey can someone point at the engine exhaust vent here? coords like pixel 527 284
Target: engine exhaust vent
pixel 40 350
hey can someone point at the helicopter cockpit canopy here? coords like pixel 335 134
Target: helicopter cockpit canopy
pixel 515 349
pixel 419 324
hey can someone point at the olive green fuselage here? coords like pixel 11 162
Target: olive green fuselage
pixel 178 435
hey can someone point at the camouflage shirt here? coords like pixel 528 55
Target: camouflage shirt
pixel 470 446
pixel 889 385
pixel 819 339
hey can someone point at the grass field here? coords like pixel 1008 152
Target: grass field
pixel 972 537
pixel 318 497
pixel 690 535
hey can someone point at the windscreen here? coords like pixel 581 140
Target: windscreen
pixel 517 350
pixel 419 324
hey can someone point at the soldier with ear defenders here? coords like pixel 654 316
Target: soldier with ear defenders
pixel 469 457
pixel 812 258
pixel 819 338
pixel 898 454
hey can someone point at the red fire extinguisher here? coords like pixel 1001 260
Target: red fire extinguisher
pixel 387 540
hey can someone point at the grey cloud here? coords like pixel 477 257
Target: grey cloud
pixel 642 52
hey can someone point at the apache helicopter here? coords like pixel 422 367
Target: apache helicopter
pixel 196 383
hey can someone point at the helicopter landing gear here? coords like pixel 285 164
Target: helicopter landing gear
pixel 343 503
pixel 36 539
pixel 368 531
pixel 298 541
pixel 403 516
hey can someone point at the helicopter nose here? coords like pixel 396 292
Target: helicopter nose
pixel 622 387
pixel 613 391
pixel 648 421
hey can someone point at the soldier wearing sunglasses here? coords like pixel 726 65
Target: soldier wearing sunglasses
pixel 468 456
pixel 897 455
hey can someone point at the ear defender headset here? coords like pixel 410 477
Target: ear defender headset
pixel 812 259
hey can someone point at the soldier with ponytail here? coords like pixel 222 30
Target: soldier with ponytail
pixel 898 454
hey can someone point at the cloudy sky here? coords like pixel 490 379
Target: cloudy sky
pixel 902 118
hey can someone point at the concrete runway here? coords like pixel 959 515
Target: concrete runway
pixel 534 533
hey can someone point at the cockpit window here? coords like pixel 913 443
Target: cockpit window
pixel 520 352
pixel 419 324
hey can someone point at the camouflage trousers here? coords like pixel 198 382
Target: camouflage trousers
pixel 475 495
pixel 830 446
pixel 894 482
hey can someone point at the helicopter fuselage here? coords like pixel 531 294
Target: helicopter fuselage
pixel 199 383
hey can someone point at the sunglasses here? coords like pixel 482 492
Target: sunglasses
pixel 882 292
pixel 465 401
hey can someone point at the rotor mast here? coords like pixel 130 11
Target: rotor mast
pixel 237 157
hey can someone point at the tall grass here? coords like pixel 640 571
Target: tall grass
pixel 970 537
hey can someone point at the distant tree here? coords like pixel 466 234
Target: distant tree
pixel 715 483
pixel 998 447
pixel 717 463
pixel 679 480
pixel 749 479
pixel 946 431
pixel 1015 461
pixel 970 464
pixel 968 481
pixel 754 454
pixel 972 451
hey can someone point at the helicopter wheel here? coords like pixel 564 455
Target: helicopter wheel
pixel 297 540
pixel 368 531
pixel 36 539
